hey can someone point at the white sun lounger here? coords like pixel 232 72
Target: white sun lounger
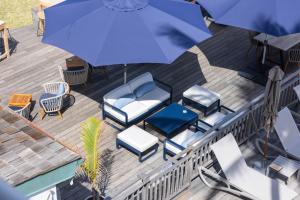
pixel 240 179
pixel 288 133
pixel 297 91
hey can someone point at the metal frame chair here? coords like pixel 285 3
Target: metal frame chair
pixel 53 104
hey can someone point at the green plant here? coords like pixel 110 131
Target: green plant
pixel 91 168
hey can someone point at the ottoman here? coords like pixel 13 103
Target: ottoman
pixel 138 141
pixel 202 99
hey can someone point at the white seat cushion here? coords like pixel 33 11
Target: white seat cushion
pixel 214 118
pixel 133 110
pixel 154 97
pixel 201 95
pixel 115 94
pixel 137 138
pixel 140 80
pixel 183 139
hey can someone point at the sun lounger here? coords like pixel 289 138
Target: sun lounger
pixel 240 179
pixel 297 91
pixel 288 133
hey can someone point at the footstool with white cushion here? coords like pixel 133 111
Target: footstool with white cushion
pixel 202 99
pixel 138 141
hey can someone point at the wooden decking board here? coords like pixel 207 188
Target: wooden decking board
pixel 213 63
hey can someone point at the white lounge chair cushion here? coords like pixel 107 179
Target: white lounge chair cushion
pixel 140 80
pixel 239 174
pixel 154 98
pixel 201 95
pixel 115 94
pixel 184 138
pixel 133 110
pixel 288 132
pixel 214 118
pixel 297 91
pixel 137 138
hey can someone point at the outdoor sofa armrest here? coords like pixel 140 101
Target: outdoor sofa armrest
pixel 164 86
pixel 226 108
pixel 174 144
pixel 200 121
pixel 115 109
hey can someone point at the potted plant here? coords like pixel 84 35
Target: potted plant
pixel 91 169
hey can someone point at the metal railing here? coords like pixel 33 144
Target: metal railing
pixel 176 175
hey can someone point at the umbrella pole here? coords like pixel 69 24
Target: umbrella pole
pixel 265 50
pixel 125 73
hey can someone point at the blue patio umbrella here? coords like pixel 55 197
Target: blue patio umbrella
pixel 273 17
pixel 107 32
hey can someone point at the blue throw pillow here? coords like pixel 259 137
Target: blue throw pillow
pixel 61 89
pixel 124 100
pixel 143 89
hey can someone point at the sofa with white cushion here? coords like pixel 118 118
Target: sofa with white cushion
pixel 134 101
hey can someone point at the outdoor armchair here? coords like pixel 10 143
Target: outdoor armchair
pixel 240 179
pixel 52 99
pixel 74 77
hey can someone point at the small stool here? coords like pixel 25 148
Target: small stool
pixel 41 23
pixel 284 167
pixel 202 99
pixel 138 141
pixel 4 31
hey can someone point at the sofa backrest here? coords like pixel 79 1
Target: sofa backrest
pixel 115 94
pixel 140 80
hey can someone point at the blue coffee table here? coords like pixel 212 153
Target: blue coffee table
pixel 172 119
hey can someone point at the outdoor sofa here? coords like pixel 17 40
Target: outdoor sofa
pixel 240 179
pixel 181 141
pixel 134 101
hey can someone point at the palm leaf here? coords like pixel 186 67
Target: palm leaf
pixel 90 136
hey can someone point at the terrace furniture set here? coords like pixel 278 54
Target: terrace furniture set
pixel 144 99
pixel 240 179
pixel 244 181
pixel 285 45
pixel 51 101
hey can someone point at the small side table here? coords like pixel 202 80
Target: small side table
pixel 75 63
pixel 285 168
pixel 19 100
pixel 4 30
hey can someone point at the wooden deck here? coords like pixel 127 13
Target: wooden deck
pixel 213 64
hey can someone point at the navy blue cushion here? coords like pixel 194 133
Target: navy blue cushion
pixel 46 96
pixel 61 89
pixel 143 89
pixel 124 100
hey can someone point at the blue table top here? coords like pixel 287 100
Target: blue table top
pixel 172 118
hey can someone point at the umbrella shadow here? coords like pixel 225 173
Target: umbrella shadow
pixel 176 36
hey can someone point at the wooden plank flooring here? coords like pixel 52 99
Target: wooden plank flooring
pixel 213 64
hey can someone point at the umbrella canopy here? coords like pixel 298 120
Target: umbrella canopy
pixel 273 17
pixel 271 102
pixel 106 32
